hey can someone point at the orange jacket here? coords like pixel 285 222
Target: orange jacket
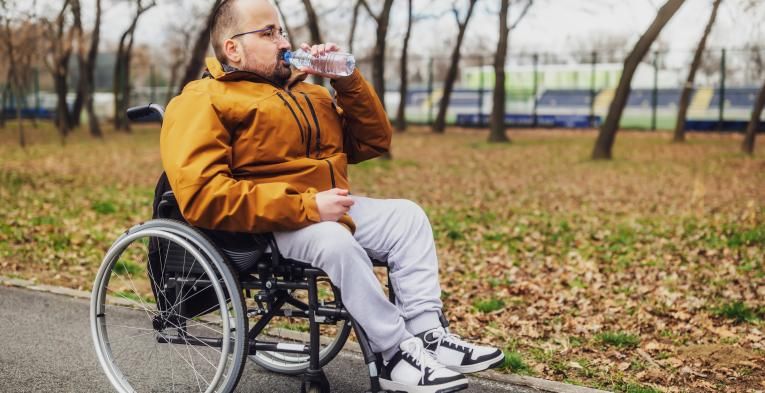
pixel 245 155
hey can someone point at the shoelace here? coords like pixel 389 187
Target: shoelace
pixel 423 357
pixel 440 336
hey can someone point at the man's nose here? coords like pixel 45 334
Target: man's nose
pixel 284 44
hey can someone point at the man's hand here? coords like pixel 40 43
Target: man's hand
pixel 319 50
pixel 333 204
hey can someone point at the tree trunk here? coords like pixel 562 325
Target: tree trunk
pixel 89 77
pixel 20 125
pixel 497 120
pixel 119 80
pixel 607 135
pixel 754 123
pixel 79 37
pixel 2 107
pixel 451 75
pixel 290 38
pixel 685 96
pixel 62 112
pixel 354 21
pixel 378 54
pixel 313 27
pixel 121 86
pixel 401 113
pixel 197 60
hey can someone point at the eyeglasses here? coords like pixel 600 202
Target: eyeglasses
pixel 268 33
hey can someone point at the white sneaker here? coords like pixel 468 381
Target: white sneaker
pixel 413 369
pixel 459 355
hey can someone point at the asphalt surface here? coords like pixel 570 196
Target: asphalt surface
pixel 45 346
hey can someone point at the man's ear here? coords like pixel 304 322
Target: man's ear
pixel 230 49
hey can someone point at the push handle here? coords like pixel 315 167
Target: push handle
pixel 143 111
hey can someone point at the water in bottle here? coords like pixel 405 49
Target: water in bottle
pixel 335 64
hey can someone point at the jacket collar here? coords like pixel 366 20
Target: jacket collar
pixel 225 72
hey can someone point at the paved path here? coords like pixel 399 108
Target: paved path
pixel 45 346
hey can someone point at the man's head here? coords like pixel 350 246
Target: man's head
pixel 246 34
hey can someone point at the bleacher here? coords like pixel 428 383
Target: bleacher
pixel 565 98
pixel 741 97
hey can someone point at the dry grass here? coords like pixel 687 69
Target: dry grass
pixel 598 273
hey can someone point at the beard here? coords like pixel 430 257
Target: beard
pixel 278 72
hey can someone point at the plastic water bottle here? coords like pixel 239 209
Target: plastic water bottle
pixel 332 63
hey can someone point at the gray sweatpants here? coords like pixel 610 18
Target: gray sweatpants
pixel 395 231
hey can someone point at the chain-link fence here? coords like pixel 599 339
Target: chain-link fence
pixel 575 89
pixel 542 89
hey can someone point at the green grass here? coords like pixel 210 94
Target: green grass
pixel 618 339
pixel 488 305
pixel 636 388
pixel 123 267
pixel 514 363
pixel 737 311
pixel 104 207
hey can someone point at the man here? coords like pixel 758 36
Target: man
pixel 252 148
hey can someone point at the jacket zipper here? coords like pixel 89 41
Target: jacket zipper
pixel 294 115
pixel 331 173
pixel 308 124
pixel 315 121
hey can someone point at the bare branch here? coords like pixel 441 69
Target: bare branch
pixel 522 14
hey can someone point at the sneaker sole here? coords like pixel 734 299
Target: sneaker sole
pixel 474 368
pixel 394 387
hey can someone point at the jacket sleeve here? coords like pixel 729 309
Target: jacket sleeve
pixel 196 154
pixel 367 130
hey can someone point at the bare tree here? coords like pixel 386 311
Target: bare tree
pixel 313 22
pixel 685 95
pixel 400 114
pixel 497 120
pixel 201 45
pixel 178 36
pixel 313 28
pixel 86 57
pixel 57 62
pixel 284 22
pixel 121 87
pixel 607 135
pixel 451 76
pixel 14 77
pixel 378 55
pixel 354 21
pixel 747 146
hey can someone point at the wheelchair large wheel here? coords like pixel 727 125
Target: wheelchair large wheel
pixel 294 331
pixel 167 312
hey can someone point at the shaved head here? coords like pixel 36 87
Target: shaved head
pixel 223 26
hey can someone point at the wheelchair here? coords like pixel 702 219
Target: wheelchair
pixel 206 305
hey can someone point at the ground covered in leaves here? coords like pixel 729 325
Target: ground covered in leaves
pixel 640 274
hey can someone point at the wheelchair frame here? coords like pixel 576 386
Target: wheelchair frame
pixel 271 279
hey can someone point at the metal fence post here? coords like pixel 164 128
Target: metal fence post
pixel 430 92
pixel 721 114
pixel 480 92
pixel 535 91
pixel 153 83
pixel 37 91
pixel 655 92
pixel 594 61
